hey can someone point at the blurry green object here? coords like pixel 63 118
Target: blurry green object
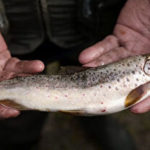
pixel 52 67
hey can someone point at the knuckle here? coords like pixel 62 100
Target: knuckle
pixel 112 39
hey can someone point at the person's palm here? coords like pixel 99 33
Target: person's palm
pixel 11 67
pixel 131 37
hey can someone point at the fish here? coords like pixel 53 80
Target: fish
pixel 94 91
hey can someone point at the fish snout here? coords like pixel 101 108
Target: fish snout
pixel 146 67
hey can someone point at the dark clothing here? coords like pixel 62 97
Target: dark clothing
pixel 66 23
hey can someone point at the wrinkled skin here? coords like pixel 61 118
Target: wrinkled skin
pixel 131 37
pixel 11 67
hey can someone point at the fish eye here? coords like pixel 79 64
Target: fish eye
pixel 147 67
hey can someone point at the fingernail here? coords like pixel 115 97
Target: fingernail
pixel 40 66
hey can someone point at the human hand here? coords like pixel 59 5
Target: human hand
pixel 131 37
pixel 11 67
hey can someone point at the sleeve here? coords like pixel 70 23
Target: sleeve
pixel 4 25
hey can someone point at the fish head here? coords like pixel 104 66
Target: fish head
pixel 143 91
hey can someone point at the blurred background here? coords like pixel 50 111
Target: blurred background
pixel 64 132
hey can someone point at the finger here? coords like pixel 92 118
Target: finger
pixel 4 75
pixel 109 57
pixel 142 107
pixel 95 51
pixel 18 66
pixel 6 112
pixel 4 57
pixel 3 45
pixel 33 66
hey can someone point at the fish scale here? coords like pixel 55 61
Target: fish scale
pixel 94 91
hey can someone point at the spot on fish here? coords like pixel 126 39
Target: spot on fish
pixel 125 85
pixel 101 86
pixel 103 110
pixel 66 95
pixel 128 65
pixel 118 80
pixel 127 79
pixel 116 89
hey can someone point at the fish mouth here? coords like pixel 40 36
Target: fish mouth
pixel 146 67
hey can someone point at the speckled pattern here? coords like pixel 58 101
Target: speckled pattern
pixel 84 79
pixel 98 90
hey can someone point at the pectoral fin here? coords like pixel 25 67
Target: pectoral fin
pixel 11 104
pixel 137 94
pixel 74 112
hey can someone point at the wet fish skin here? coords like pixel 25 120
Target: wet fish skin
pixel 95 91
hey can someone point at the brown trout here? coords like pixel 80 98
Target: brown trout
pixel 102 90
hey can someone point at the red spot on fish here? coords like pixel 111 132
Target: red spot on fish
pixel 102 103
pixel 83 94
pixel 66 95
pixel 56 97
pixel 103 110
pixel 101 86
